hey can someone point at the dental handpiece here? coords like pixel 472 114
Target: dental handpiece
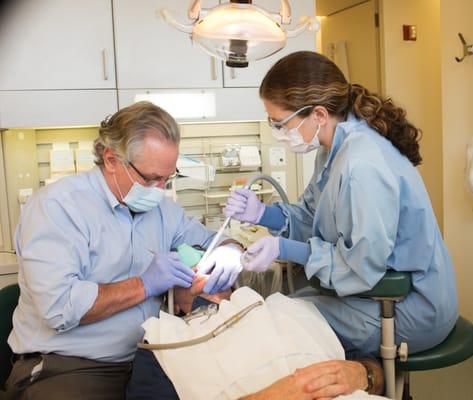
pixel 216 238
pixel 214 242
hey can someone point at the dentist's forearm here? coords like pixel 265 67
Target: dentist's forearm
pixel 113 298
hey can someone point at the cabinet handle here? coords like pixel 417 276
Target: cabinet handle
pixel 104 64
pixel 213 69
pixel 233 74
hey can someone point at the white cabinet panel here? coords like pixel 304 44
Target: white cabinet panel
pixel 232 104
pixel 55 107
pixel 152 54
pixel 254 73
pixel 57 44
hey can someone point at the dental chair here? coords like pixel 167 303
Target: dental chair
pixel 8 301
pixel 397 362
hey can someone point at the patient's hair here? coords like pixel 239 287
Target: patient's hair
pixel 308 78
pixel 125 130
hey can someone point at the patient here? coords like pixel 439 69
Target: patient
pixel 324 380
pixel 184 298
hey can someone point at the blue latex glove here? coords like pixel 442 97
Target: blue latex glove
pixel 165 272
pixel 259 256
pixel 243 205
pixel 225 264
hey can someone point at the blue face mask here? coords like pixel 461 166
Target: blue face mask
pixel 141 198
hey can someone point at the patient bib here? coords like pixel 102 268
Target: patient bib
pixel 267 344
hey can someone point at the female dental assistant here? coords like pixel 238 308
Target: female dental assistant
pixel 364 211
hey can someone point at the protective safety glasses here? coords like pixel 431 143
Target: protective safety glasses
pixel 280 124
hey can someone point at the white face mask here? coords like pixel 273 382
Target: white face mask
pixel 141 198
pixel 293 139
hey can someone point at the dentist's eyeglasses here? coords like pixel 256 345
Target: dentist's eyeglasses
pixel 154 181
pixel 280 124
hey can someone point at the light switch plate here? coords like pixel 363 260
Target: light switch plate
pixel 277 156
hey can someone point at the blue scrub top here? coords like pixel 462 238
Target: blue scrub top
pixel 366 210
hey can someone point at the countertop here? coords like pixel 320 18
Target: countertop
pixel 8 264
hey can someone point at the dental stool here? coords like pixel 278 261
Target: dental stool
pixel 397 363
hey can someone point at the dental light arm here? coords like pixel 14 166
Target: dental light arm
pixel 305 23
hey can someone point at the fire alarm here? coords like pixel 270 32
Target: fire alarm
pixel 409 32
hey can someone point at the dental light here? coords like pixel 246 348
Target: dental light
pixel 239 32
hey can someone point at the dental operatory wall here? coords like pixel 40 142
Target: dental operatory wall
pixel 437 92
pixel 411 77
pixel 457 106
pixel 424 77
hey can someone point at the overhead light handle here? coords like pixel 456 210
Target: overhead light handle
pixel 285 12
pixel 194 10
pixel 176 24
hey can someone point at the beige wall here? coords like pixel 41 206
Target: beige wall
pixel 327 7
pixel 457 97
pixel 437 92
pixel 411 76
pixel 354 26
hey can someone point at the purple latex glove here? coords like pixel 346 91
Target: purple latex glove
pixel 165 272
pixel 259 256
pixel 243 205
pixel 225 266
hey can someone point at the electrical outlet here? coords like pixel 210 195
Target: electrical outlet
pixel 280 177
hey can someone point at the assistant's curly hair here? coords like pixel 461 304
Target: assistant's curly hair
pixel 308 78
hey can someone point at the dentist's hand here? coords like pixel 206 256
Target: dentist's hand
pixel 165 272
pixel 261 254
pixel 225 264
pixel 243 205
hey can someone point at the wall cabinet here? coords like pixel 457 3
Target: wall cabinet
pixel 152 54
pixel 57 44
pixel 40 108
pixel 59 58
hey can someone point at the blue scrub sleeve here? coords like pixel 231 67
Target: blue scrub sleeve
pixel 293 250
pixel 272 218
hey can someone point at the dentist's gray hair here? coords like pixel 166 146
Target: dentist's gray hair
pixel 125 130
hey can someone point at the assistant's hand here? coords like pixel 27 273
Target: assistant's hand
pixel 243 205
pixel 225 264
pixel 165 272
pixel 261 254
pixel 330 379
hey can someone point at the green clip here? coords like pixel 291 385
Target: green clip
pixel 188 255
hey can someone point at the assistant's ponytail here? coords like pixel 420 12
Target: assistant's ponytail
pixel 388 119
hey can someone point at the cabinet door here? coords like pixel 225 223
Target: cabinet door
pixel 57 44
pixel 152 54
pixel 38 108
pixel 254 73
